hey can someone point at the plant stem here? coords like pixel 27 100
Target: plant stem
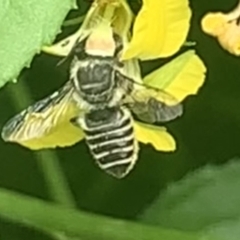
pixel 51 217
pixel 54 176
pixel 47 160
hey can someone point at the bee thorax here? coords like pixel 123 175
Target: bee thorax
pixel 95 81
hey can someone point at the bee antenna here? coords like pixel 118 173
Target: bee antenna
pixel 62 61
pixel 70 55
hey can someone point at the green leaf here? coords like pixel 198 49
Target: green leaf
pixel 206 201
pixel 57 218
pixel 25 26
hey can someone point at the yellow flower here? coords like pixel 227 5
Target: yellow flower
pixel 159 30
pixel 225 27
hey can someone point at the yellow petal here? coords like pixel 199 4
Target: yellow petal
pixel 160 29
pixel 63 136
pixel 225 27
pixel 181 77
pixel 158 137
pixel 63 47
pixel 121 18
pixel 230 40
pixel 213 23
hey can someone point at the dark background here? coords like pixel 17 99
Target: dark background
pixel 208 133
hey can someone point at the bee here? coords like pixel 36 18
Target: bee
pixel 97 103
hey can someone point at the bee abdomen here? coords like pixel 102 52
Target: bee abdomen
pixel 111 140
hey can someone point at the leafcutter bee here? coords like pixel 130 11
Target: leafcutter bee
pixel 97 104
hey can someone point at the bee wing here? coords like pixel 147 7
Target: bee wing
pixel 149 105
pixel 152 104
pixel 47 123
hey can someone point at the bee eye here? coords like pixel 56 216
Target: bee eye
pixel 80 54
pixel 79 50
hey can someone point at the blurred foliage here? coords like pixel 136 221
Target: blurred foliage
pixel 209 132
pixel 20 17
pixel 54 217
pixel 206 202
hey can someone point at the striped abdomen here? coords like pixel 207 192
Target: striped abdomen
pixel 110 137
